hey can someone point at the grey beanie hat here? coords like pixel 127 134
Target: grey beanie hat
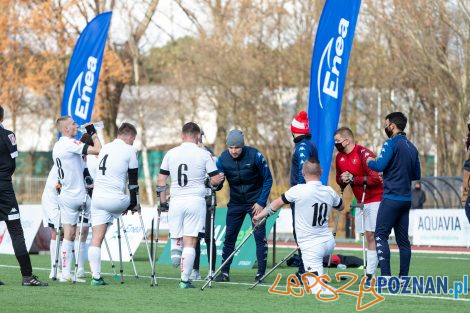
pixel 235 138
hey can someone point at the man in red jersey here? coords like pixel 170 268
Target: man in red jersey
pixel 351 169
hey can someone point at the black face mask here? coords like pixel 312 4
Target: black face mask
pixel 339 146
pixel 388 132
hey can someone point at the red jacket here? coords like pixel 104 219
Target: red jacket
pixel 355 163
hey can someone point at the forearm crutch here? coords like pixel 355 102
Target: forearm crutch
pixel 110 258
pixel 363 230
pixel 260 222
pixel 128 246
pixel 152 267
pixel 334 235
pixel 57 246
pixel 121 271
pixel 275 267
pixel 80 230
pixel 211 236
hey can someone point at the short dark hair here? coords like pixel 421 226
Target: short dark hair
pixel 1 112
pixel 86 139
pixel 398 119
pixel 191 128
pixel 127 129
pixel 344 131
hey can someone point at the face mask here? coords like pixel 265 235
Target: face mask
pixel 339 146
pixel 388 132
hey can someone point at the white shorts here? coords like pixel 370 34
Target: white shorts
pixel 70 209
pixel 105 209
pixel 50 208
pixel 313 253
pixel 186 216
pixel 370 217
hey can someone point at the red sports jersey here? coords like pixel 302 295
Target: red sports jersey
pixel 355 163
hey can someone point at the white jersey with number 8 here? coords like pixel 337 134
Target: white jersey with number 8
pixel 187 165
pixel 114 161
pixel 313 203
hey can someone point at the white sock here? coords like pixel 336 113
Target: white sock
pixel 81 257
pixel 187 262
pixel 372 262
pixel 52 251
pixel 176 250
pixel 94 255
pixel 67 254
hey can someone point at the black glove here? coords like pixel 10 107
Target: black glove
pixel 90 129
pixel 164 207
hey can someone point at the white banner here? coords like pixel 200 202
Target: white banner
pixel 31 218
pixel 439 227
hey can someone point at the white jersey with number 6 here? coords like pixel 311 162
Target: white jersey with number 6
pixel 313 203
pixel 187 166
pixel 114 161
pixel 67 155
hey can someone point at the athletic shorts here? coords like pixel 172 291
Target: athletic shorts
pixel 313 253
pixel 370 217
pixel 186 216
pixel 50 208
pixel 70 209
pixel 8 205
pixel 104 209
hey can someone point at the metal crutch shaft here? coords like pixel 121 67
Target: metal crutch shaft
pixel 275 267
pixel 121 271
pixel 153 279
pixel 110 257
pixel 235 251
pixel 77 256
pixel 211 236
pixel 128 246
pixel 57 248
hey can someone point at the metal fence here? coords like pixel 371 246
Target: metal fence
pixel 442 191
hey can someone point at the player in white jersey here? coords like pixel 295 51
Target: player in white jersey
pixel 117 162
pixel 50 211
pixel 313 203
pixel 187 165
pixel 67 155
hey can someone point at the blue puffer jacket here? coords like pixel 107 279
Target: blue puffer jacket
pixel 248 175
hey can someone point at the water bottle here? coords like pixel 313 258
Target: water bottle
pixel 98 125
pixel 341 266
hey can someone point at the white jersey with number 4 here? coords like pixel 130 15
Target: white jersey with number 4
pixel 114 161
pixel 187 165
pixel 67 155
pixel 313 203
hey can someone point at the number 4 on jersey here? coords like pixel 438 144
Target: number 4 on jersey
pixel 102 165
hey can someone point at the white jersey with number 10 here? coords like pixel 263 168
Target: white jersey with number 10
pixel 114 161
pixel 313 203
pixel 187 165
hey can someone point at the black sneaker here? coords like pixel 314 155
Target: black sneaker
pixel 33 281
pixel 1 283
pixel 222 278
pixel 258 278
pixel 299 277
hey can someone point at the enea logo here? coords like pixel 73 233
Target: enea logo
pixel 330 75
pixel 82 90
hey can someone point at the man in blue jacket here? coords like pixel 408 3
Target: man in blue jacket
pixel 399 162
pixel 250 180
pixel 304 149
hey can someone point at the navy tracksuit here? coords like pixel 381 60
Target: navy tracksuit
pixel 304 149
pixel 250 182
pixel 399 162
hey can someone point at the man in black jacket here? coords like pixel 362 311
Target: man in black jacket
pixel 9 211
pixel 250 180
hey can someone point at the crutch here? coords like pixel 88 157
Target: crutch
pixel 361 206
pixel 152 265
pixel 160 209
pixel 211 237
pixel 260 222
pixel 82 216
pixel 128 246
pixel 58 236
pixel 274 268
pixel 334 235
pixel 121 271
pixel 110 258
